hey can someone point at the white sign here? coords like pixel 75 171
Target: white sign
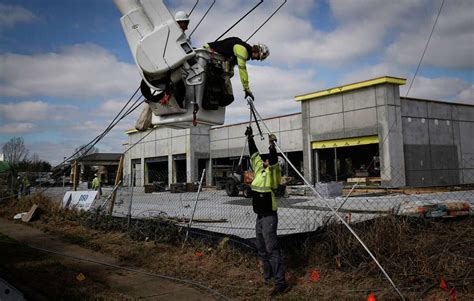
pixel 81 200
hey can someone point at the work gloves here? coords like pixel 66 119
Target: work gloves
pixel 249 93
pixel 249 132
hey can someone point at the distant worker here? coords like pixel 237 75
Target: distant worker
pixel 236 51
pixel 26 186
pixel 96 182
pixel 266 180
pixel 182 19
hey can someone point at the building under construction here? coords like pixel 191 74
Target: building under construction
pixel 360 132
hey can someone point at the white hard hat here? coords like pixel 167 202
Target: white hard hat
pixel 181 16
pixel 263 51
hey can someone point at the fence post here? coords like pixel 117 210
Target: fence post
pixel 129 215
pixel 195 205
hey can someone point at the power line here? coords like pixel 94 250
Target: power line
pixel 426 47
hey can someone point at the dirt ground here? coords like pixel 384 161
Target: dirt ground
pixel 314 269
pixel 47 276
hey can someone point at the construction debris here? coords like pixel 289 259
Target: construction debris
pixel 31 214
pixel 434 208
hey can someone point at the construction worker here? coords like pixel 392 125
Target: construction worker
pixel 266 180
pixel 236 51
pixel 182 19
pixel 96 185
pixel 95 182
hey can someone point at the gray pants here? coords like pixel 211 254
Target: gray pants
pixel 268 250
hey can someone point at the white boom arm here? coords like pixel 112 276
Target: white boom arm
pixel 157 43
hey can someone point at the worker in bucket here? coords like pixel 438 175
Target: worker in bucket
pixel 266 180
pixel 182 19
pixel 236 51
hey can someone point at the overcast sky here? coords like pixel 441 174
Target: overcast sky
pixel 66 69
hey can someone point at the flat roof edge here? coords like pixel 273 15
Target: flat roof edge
pixel 353 86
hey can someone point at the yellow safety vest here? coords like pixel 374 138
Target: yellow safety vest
pixel 265 179
pixel 95 183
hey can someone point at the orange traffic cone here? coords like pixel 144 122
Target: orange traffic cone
pixel 371 297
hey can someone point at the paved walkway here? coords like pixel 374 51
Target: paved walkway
pixel 132 284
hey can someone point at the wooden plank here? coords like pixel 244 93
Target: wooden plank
pixel 30 215
pixel 357 180
pixel 118 178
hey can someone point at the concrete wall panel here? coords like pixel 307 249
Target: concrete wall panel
pixel 463 113
pixel 162 147
pixel 444 157
pixel 445 177
pixel 291 141
pixel 136 151
pixel 238 131
pixel 237 142
pixel 441 132
pixel 417 157
pixel 272 124
pixel 328 105
pixel 219 145
pixel 163 133
pixel 359 99
pixel 178 145
pixel 414 108
pixel 415 131
pixel 466 130
pixel 439 110
pixel 292 122
pixel 326 124
pixel 387 95
pixel 419 178
pixel 360 119
pixel 468 176
pixel 178 133
pixel 219 133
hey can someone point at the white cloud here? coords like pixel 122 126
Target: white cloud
pixel 451 45
pixel 34 111
pixel 17 128
pixel 80 72
pixel 467 95
pixel 274 90
pixel 440 89
pixel 362 28
pixel 50 151
pixel 10 15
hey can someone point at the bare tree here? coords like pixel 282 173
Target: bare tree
pixel 15 150
pixel 35 158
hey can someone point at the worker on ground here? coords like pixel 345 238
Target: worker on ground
pixel 96 185
pixel 266 180
pixel 26 186
pixel 182 19
pixel 236 51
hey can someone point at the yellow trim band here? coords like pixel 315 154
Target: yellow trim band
pixel 340 89
pixel 345 142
